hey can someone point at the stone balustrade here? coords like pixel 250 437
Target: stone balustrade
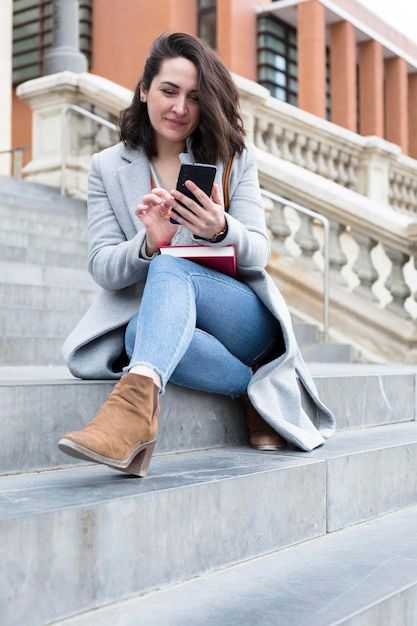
pixel 363 185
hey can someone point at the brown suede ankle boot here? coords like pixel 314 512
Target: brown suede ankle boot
pixel 123 433
pixel 261 435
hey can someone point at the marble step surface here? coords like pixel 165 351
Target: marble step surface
pixel 44 227
pixel 28 238
pixel 325 352
pixel 17 195
pixel 31 274
pixel 90 536
pixel 41 253
pixel 30 351
pixel 361 576
pixel 39 404
pixel 35 296
pixel 37 322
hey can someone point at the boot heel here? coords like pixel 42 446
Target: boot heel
pixel 140 464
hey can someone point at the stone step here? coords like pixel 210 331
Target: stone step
pixel 21 240
pixel 56 211
pixel 22 194
pixel 324 352
pixel 37 323
pixel 306 332
pixel 16 224
pixel 361 576
pixel 44 403
pixel 91 536
pixel 45 257
pixel 16 273
pixel 36 296
pixel 25 351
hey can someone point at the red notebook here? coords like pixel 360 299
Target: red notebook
pixel 219 258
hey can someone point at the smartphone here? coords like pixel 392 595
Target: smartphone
pixel 201 174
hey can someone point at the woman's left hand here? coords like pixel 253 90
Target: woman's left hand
pixel 204 221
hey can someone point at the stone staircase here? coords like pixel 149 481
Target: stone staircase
pixel 44 287
pixel 217 533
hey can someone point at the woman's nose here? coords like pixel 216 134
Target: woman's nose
pixel 180 105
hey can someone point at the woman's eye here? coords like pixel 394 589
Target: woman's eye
pixel 194 99
pixel 168 92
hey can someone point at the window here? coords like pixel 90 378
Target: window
pixel 277 61
pixel 277 58
pixel 207 22
pixel 32 35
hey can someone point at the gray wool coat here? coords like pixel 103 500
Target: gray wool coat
pixel 282 390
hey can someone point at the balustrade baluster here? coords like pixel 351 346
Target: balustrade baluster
pixel 413 195
pixel 406 194
pixel 262 133
pixel 363 266
pixel 287 140
pixel 394 190
pixel 306 240
pixel 280 230
pixel 352 169
pixel 276 138
pixel 395 283
pixel 337 258
pixel 322 160
pixel 299 147
pixel 332 163
pixel 311 152
pixel 341 169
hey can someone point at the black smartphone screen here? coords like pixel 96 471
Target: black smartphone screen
pixel 201 174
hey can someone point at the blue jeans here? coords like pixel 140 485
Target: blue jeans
pixel 198 328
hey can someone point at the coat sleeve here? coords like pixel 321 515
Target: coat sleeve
pixel 113 259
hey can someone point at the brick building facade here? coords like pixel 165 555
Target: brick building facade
pixel 332 58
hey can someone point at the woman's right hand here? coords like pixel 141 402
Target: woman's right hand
pixel 155 213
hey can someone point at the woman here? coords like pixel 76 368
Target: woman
pixel 160 319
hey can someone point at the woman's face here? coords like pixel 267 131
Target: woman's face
pixel 172 101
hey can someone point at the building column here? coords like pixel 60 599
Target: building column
pixel 412 115
pixel 237 36
pixel 6 13
pixel 371 89
pixel 311 43
pixel 396 102
pixel 65 55
pixel 123 33
pixel 343 75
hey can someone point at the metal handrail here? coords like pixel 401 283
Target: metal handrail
pixel 64 132
pixel 326 251
pixel 17 158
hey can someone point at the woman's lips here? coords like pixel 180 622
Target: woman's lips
pixel 175 123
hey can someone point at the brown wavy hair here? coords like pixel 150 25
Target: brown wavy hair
pixel 220 132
